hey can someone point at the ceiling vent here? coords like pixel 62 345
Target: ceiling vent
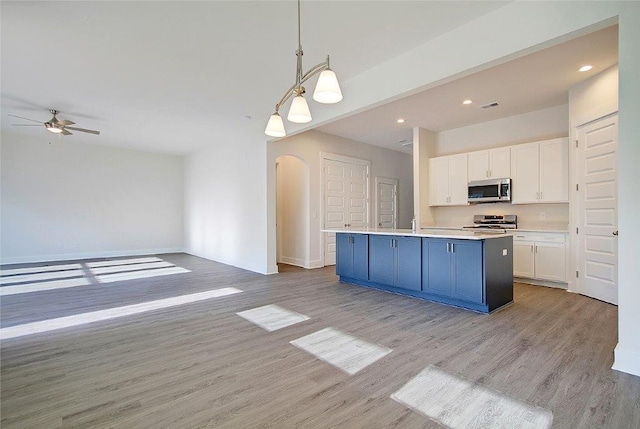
pixel 490 105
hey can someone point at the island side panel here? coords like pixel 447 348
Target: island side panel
pixel 498 271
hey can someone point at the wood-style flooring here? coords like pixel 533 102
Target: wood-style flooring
pixel 201 365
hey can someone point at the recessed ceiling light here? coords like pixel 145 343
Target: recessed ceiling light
pixel 467 102
pixel 400 121
pixel 585 68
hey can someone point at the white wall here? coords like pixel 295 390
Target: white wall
pixel 594 98
pixel 226 203
pixel 384 163
pixel 539 125
pixel 69 200
pixel 293 211
pixel 627 353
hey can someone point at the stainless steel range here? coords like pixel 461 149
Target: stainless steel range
pixel 494 223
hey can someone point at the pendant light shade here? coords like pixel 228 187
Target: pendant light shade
pixel 327 89
pixel 275 127
pixel 299 111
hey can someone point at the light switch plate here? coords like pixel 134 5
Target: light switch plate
pixel 504 252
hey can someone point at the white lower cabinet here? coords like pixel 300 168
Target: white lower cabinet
pixel 540 256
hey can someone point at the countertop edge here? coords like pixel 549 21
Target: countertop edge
pixel 461 235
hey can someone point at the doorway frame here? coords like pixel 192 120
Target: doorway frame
pixel 596 114
pixel 395 183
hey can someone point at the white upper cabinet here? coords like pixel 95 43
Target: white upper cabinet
pixel 540 172
pixel 489 164
pixel 554 171
pixel 448 180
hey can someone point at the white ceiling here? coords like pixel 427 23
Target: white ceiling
pixel 176 76
pixel 533 82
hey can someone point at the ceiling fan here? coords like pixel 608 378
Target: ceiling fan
pixel 55 125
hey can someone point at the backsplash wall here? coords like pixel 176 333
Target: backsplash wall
pixel 546 216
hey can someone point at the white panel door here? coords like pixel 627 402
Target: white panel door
pixel 525 173
pixel 386 202
pixel 357 195
pixel 554 174
pixel 345 200
pixel 335 204
pixel 597 204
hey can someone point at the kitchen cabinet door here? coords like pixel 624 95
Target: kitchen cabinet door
pixel 466 266
pixel 344 255
pixel 478 165
pixel 525 173
pixel 500 163
pixel 439 181
pixel 437 260
pixel 352 256
pixel 382 259
pixel 408 263
pixel 489 164
pixel 360 249
pixel 554 172
pixel 458 183
pixel 550 262
pixel 523 261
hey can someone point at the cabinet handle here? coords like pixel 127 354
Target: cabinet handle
pixel 536 249
pixel 448 248
pixel 532 248
pixel 452 249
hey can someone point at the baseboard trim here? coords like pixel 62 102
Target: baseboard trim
pixel 302 263
pixel 546 283
pixel 626 361
pixel 87 255
pixel 266 270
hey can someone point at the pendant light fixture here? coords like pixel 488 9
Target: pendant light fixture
pixel 327 91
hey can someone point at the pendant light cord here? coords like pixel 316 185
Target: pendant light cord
pixel 299 55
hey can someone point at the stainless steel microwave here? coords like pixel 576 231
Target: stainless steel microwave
pixel 489 191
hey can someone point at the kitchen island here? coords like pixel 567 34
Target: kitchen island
pixel 472 270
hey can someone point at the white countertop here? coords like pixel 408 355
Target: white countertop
pixel 453 234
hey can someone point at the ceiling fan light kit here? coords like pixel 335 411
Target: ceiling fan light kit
pixel 57 126
pixel 327 91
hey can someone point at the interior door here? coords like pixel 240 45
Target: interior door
pixel 386 202
pixel 597 203
pixel 335 184
pixel 345 200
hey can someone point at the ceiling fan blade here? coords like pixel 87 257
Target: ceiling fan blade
pixel 22 117
pixel 63 122
pixel 83 130
pixel 66 133
pixel 26 125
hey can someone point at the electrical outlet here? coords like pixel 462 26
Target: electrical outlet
pixel 504 252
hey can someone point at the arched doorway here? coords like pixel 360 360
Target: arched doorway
pixel 292 211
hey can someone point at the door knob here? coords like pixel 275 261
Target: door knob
pixel 615 232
